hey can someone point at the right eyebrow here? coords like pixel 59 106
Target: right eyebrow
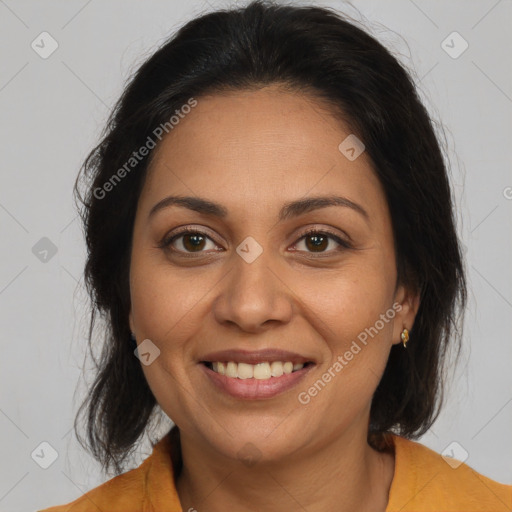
pixel 196 204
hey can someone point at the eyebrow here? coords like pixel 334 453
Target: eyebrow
pixel 288 210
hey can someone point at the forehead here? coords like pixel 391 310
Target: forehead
pixel 256 147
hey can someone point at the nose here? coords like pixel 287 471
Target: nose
pixel 253 296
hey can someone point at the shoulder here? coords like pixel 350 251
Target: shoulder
pixel 149 487
pixel 426 481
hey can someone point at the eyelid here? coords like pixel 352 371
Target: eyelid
pixel 333 232
pixel 184 230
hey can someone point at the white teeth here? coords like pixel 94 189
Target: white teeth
pixel 232 369
pixel 245 371
pixel 259 371
pixel 276 369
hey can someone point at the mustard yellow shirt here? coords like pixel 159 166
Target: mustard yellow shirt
pixel 422 482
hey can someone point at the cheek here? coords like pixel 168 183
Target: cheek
pixel 353 300
pixel 165 301
pixel 359 349
pixel 356 317
pixel 165 307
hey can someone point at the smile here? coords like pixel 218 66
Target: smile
pixel 254 381
pixel 260 371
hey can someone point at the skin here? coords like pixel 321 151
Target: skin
pixel 252 151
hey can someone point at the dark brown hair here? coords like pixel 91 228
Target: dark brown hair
pixel 309 49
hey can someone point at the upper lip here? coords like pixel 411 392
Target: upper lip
pixel 255 356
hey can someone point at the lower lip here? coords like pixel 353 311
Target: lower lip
pixel 256 389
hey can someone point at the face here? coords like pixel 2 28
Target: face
pixel 267 276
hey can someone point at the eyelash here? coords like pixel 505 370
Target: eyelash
pixel 166 242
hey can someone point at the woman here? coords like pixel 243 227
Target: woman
pixel 271 239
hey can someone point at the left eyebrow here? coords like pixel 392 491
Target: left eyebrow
pixel 301 206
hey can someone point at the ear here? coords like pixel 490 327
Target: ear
pixel 407 304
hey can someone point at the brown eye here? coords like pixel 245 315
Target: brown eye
pixel 186 241
pixel 317 241
pixel 193 242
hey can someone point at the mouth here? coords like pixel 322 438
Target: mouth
pixel 264 370
pixel 255 375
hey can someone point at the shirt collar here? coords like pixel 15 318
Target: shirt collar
pixel 161 492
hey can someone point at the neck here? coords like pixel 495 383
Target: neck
pixel 345 474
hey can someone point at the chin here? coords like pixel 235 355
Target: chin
pixel 266 442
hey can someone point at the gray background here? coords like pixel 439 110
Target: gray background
pixel 52 111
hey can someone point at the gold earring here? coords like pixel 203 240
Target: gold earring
pixel 405 337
